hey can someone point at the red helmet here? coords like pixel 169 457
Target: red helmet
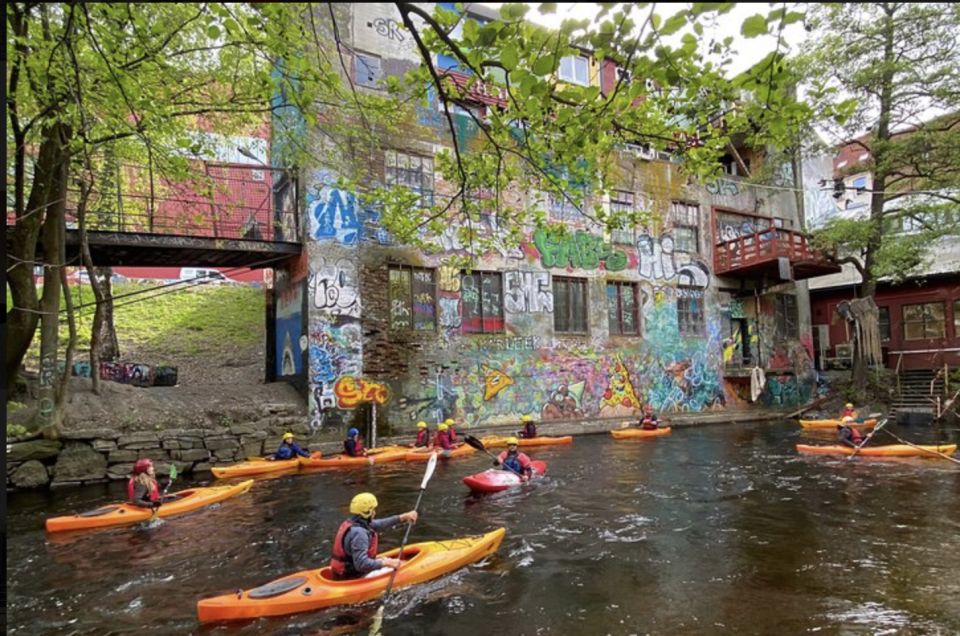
pixel 142 466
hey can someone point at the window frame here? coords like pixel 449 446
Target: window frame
pixel 956 318
pixel 411 269
pixel 377 82
pixel 680 217
pixel 884 310
pixel 618 285
pixel 923 321
pixel 695 323
pixel 422 192
pixel 570 282
pixel 786 321
pixel 483 317
pixel 623 201
pixel 559 208
pixel 573 79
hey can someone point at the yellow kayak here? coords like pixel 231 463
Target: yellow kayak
pixel 834 423
pixel 315 589
pixel 889 450
pixel 380 455
pixel 627 433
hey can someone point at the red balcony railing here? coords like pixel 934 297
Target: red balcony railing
pixel 753 253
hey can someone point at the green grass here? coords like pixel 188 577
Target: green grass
pixel 170 323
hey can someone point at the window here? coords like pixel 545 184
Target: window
pixel 413 299
pixel 367 71
pixel 622 309
pixel 785 314
pixel 569 305
pixel 690 317
pixel 686 227
pixel 411 171
pixel 924 321
pixel 884 321
pixel 561 209
pixel 860 183
pixel 482 302
pixel 573 68
pixel 621 204
pixel 956 319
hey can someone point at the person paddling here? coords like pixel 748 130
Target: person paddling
pixel 142 488
pixel 289 449
pixel 451 429
pixel 529 428
pixel 847 434
pixel 442 439
pixel 649 421
pixel 423 435
pixel 851 412
pixel 355 544
pixel 515 461
pixel 353 445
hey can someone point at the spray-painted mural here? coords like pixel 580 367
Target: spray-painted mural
pixel 289 318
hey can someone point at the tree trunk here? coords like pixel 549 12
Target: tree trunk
pixel 109 346
pixel 49 187
pixel 879 150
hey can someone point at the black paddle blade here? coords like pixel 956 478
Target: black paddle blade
pixel 473 441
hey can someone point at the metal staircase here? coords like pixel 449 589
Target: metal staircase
pixel 917 393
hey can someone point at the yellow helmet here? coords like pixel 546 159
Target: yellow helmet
pixel 848 405
pixel 421 424
pixel 449 421
pixel 363 504
pixel 512 441
pixel 442 426
pixel 526 418
pixel 287 436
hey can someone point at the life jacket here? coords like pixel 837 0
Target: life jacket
pixel 512 463
pixel 852 434
pixel 849 413
pixel 341 563
pixel 452 432
pixel 648 423
pixel 423 437
pixel 442 440
pixel 529 430
pixel 132 487
pixel 357 447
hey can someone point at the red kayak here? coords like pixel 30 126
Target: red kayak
pixel 497 479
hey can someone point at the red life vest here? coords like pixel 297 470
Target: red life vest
pixel 529 431
pixel 423 437
pixel 341 563
pixel 648 424
pixel 453 434
pixel 132 486
pixel 442 440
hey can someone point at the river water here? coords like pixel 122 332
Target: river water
pixel 720 529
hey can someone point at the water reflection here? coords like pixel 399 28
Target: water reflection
pixel 708 530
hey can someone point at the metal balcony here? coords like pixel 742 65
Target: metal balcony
pixel 759 254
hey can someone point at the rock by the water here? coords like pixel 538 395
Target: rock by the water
pixel 36 449
pixel 79 463
pixel 31 474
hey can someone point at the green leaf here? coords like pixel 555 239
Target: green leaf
pixel 509 57
pixel 547 7
pixel 674 23
pixel 753 26
pixel 213 31
pixel 544 65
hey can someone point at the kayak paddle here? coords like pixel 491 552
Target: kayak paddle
pixel 474 442
pixel 867 439
pixel 378 617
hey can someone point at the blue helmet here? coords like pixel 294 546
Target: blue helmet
pixel 352 432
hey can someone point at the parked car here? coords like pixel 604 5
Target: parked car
pixel 202 275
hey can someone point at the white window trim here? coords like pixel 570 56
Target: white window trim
pixel 574 80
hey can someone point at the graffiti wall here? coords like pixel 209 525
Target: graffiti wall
pixel 289 330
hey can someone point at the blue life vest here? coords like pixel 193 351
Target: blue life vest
pixel 512 463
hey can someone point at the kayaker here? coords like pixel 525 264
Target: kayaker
pixel 353 445
pixel 442 439
pixel 649 421
pixel 289 449
pixel 515 461
pixel 851 412
pixel 529 428
pixel 847 434
pixel 423 435
pixel 142 488
pixel 355 546
pixel 451 429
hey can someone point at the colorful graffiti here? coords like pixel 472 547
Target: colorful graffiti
pixel 289 360
pixel 449 278
pixel 351 392
pixel 620 397
pixel 564 403
pixel 335 351
pixel 494 381
pixel 658 264
pixel 337 215
pixel 449 308
pixel 578 250
pixel 134 373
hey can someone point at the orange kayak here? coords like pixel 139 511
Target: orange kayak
pixel 255 467
pixel 627 433
pixel 376 456
pixel 125 514
pixel 314 589
pixel 890 450
pixel 834 423
pixel 529 441
pixel 424 455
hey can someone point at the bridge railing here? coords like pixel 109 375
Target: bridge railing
pixel 224 201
